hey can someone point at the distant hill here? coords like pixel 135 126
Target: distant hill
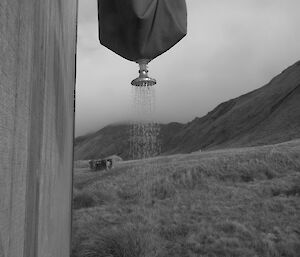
pixel 113 140
pixel 270 114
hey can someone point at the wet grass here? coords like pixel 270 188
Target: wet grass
pixel 237 202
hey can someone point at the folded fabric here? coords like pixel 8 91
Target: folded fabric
pixel 141 29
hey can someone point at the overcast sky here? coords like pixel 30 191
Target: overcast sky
pixel 232 47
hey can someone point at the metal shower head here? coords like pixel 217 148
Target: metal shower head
pixel 143 80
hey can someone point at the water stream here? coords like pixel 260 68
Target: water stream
pixel 144 131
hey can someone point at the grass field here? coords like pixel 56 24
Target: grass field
pixel 236 202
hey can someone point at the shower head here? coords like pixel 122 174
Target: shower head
pixel 143 80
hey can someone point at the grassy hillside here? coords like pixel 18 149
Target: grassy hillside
pixel 237 202
pixel 268 115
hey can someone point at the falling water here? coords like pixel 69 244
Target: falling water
pixel 144 131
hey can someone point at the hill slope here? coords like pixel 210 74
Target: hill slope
pixel 270 114
pixel 113 140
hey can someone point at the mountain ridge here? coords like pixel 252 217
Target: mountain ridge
pixel 269 114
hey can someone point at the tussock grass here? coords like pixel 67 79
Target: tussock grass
pixel 118 242
pixel 236 202
pixel 83 199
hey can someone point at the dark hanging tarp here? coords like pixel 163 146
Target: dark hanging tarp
pixel 141 29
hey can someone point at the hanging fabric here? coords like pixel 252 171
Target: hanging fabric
pixel 141 29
